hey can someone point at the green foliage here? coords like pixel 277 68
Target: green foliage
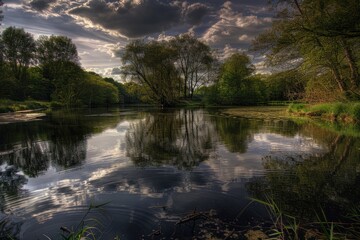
pixel 194 61
pixel 152 64
pixel 348 112
pixel 236 85
pixel 169 70
pixel 285 226
pixel 120 88
pixel 17 53
pixel 296 107
pixel 8 82
pixel 98 92
pixel 355 110
pixel 285 86
pixel 39 86
pixel 57 77
pixel 56 49
pixel 322 89
pixel 136 93
pixel 210 94
pixel 69 86
pixel 321 39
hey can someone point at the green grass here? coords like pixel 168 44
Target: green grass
pixel 338 111
pixel 288 227
pixel 13 106
pixel 87 228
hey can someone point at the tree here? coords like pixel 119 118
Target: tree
pixel 320 36
pixel 286 85
pixel 7 80
pixel 54 54
pixel 56 49
pixel 38 86
pixel 136 93
pixel 234 83
pixel 18 52
pixel 152 64
pixel 120 88
pixel 194 61
pixel 69 85
pixel 98 92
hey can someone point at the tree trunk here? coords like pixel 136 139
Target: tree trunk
pixel 338 79
pixel 185 85
pixel 354 71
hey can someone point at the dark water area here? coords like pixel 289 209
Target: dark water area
pixel 152 167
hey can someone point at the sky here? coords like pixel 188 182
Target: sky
pixel 101 28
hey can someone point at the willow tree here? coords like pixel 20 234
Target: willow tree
pixel 194 61
pixel 152 65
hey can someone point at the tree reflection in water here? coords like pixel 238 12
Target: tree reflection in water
pixel 180 138
pixel 306 167
pixel 61 141
pixel 303 186
pixel 235 133
pixel 11 183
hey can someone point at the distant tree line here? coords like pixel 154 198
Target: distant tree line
pixel 48 69
pixel 313 45
pixel 186 68
pixel 160 72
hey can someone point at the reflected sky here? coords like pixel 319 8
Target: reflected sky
pixel 108 172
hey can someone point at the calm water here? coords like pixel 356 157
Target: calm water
pixel 153 167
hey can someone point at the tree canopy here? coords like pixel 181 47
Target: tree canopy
pixel 319 37
pixel 49 69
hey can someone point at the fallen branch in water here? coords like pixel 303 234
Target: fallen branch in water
pixel 195 216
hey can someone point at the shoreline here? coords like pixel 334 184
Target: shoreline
pixel 336 112
pixel 21 116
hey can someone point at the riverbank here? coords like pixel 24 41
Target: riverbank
pixel 9 106
pixel 262 112
pixel 337 112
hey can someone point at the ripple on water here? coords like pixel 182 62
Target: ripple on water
pixel 110 221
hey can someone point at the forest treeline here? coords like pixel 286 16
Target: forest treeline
pixel 165 73
pixel 48 69
pixel 312 49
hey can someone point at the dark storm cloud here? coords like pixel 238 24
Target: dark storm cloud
pixel 96 26
pixel 131 19
pixel 41 5
pixel 196 12
pixel 63 25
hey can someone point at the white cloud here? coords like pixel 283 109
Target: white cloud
pixel 233 27
pixel 245 38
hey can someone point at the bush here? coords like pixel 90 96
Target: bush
pixel 296 107
pixel 355 111
pixel 338 109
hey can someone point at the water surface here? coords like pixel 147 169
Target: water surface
pixel 152 167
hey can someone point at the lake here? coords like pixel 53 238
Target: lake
pixel 147 169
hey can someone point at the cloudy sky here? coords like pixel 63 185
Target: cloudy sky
pixel 101 28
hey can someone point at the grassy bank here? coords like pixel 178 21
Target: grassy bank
pixel 13 106
pixel 341 112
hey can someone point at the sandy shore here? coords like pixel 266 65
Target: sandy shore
pixel 20 116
